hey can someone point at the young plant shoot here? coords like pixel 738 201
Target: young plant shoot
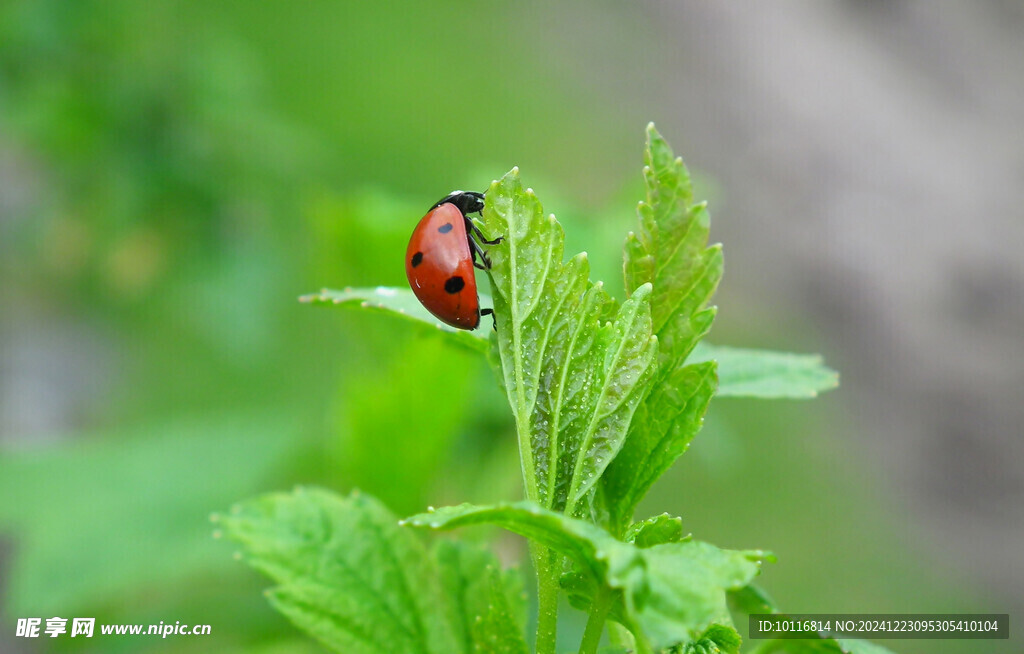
pixel 605 395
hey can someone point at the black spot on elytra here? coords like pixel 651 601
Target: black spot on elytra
pixel 445 228
pixel 454 284
pixel 417 259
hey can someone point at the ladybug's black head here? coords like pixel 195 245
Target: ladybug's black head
pixel 464 201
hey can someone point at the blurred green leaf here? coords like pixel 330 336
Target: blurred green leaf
pixel 751 599
pixel 488 604
pixel 859 646
pixel 818 646
pixel 572 379
pixel 401 302
pixel 397 422
pixel 346 572
pixel 135 507
pixel 670 593
pixel 796 647
pixel 767 374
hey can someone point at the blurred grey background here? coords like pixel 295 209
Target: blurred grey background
pixel 873 154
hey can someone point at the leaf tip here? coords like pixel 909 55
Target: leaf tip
pixel 762 556
pixel 642 291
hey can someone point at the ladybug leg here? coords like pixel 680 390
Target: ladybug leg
pixel 475 250
pixel 474 246
pixel 494 321
pixel 480 235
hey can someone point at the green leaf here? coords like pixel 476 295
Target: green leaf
pixel 346 573
pixel 500 629
pixel 574 367
pixel 718 639
pixel 767 374
pixel 676 606
pixel 742 372
pixel 401 302
pixel 668 594
pixel 859 646
pixel 487 604
pixel 655 531
pixel 583 542
pixel 670 251
pixel 784 646
pixel 664 426
pixel 687 590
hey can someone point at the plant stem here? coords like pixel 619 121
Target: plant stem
pixel 547 599
pixel 595 623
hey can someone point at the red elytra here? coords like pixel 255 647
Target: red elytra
pixel 439 261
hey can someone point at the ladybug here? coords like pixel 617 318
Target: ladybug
pixel 440 258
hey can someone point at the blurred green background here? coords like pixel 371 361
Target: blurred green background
pixel 174 174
